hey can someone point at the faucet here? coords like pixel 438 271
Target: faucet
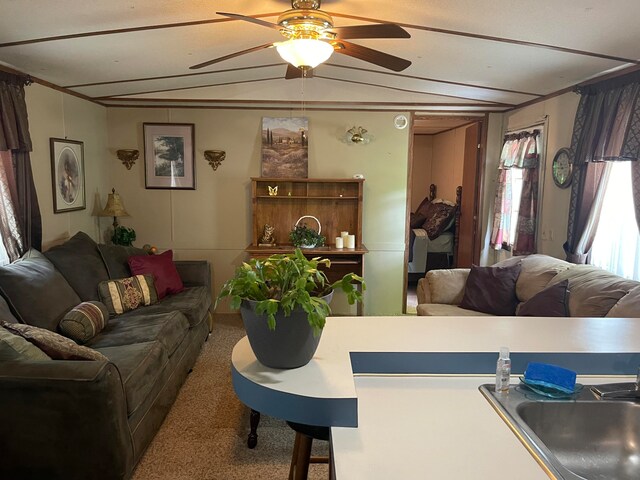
pixel 618 391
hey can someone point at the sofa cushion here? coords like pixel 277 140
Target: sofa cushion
pixel 492 290
pixel 53 344
pixel 165 274
pixel 447 285
pixel 445 310
pixel 36 292
pixel 140 366
pixel 193 302
pixel 126 294
pixel 550 302
pixel 593 291
pixel 628 306
pixel 5 312
pixel 167 328
pixel 84 321
pixel 15 348
pixel 536 273
pixel 115 258
pixel 80 263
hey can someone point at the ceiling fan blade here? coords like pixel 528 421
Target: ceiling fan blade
pixel 257 21
pixel 376 57
pixel 380 30
pixel 295 72
pixel 231 55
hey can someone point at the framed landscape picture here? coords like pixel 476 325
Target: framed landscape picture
pixel 67 175
pixel 285 147
pixel 169 151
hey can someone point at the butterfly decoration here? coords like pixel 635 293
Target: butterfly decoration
pixel 273 191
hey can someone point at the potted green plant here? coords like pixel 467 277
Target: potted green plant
pixel 303 236
pixel 123 236
pixel 284 302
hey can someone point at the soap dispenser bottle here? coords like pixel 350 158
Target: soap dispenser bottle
pixel 503 371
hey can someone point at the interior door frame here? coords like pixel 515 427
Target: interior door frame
pixel 483 122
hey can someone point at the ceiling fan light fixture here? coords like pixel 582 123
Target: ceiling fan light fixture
pixel 304 52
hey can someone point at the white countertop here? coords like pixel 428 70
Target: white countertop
pixel 437 427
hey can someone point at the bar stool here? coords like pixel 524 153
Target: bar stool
pixel 301 456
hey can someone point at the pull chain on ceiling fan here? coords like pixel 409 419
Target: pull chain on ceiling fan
pixel 311 39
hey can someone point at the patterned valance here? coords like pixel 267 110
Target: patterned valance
pixel 521 150
pixel 14 122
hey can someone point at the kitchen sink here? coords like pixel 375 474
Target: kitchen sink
pixel 577 438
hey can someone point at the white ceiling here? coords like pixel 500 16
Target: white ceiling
pixel 467 55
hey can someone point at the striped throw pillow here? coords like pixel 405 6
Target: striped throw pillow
pixel 84 321
pixel 127 294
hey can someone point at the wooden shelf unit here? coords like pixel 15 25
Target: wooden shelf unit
pixel 336 203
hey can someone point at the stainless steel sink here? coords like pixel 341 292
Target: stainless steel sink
pixel 581 438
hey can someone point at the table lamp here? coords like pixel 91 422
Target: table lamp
pixel 114 208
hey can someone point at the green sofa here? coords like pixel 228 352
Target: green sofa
pixel 70 419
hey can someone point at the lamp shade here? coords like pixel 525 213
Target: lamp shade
pixel 304 52
pixel 114 206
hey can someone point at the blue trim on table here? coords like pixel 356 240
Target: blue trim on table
pixel 327 412
pixel 459 363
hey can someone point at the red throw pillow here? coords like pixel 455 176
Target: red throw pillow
pixel 164 271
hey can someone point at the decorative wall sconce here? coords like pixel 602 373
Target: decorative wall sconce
pixel 215 157
pixel 128 157
pixel 357 135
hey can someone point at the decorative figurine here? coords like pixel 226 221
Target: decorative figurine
pixel 267 239
pixel 273 191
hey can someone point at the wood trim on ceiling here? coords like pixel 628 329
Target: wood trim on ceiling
pixel 146 92
pixel 491 38
pixel 327 109
pixel 335 14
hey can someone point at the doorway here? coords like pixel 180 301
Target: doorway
pixel 446 152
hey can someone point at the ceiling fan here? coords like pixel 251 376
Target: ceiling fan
pixel 311 38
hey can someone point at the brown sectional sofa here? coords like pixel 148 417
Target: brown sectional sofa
pixel 70 419
pixel 593 292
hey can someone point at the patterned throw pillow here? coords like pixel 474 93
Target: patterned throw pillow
pixel 54 344
pixel 85 321
pixel 15 348
pixel 127 294
pixel 438 218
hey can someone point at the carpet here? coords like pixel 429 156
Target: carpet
pixel 205 434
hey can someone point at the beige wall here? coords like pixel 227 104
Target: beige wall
pixel 559 113
pixel 214 221
pixel 58 115
pixel 421 169
pixel 447 163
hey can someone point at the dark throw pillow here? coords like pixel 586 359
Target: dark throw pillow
pixel 115 258
pixel 492 290
pixel 439 217
pixel 416 220
pixel 127 294
pixel 84 321
pixel 550 302
pixel 164 271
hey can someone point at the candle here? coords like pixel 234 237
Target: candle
pixel 344 234
pixel 339 242
pixel 351 241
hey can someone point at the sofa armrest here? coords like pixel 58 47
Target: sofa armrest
pixel 63 419
pixel 443 286
pixel 194 273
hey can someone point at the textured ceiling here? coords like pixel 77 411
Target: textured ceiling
pixel 467 55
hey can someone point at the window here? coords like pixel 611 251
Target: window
pixel 616 245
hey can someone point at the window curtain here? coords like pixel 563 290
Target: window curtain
pixel 518 151
pixel 17 182
pixel 606 129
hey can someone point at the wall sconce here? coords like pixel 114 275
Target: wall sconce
pixel 356 135
pixel 215 157
pixel 128 157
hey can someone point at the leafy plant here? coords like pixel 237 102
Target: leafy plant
pixel 286 281
pixel 123 236
pixel 301 235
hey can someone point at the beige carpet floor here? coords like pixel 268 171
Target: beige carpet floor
pixel 205 434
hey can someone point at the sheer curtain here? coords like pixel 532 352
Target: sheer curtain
pixel 616 245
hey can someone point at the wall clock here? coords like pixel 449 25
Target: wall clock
pixel 561 168
pixel 400 122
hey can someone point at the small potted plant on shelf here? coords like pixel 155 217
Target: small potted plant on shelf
pixel 284 302
pixel 123 236
pixel 306 237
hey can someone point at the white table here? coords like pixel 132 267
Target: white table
pixel 433 425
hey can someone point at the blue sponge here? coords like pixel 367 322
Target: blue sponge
pixel 550 376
